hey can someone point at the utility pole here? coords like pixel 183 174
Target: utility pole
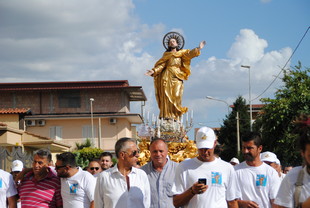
pixel 238 134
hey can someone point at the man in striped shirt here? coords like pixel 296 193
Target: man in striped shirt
pixel 40 187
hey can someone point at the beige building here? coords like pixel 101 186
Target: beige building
pixel 60 114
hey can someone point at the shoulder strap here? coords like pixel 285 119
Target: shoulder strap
pixel 298 186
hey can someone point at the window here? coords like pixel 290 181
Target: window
pixel 86 132
pixel 56 132
pixel 69 99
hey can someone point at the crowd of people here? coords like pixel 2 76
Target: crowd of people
pixel 204 181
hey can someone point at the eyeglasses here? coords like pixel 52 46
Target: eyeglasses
pixel 94 168
pixel 58 167
pixel 134 153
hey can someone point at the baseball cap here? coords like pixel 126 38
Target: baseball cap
pixel 234 160
pixel 268 157
pixel 205 138
pixel 17 165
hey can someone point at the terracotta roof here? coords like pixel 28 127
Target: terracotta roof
pixel 136 93
pixel 14 110
pixel 64 85
pixel 253 106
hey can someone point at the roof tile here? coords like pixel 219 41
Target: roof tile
pixel 14 110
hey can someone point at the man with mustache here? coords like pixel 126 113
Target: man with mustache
pixel 258 182
pixel 40 186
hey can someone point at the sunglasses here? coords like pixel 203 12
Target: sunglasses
pixel 58 167
pixel 94 168
pixel 134 153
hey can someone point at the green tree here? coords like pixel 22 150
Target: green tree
pixel 228 134
pixel 87 143
pixel 85 155
pixel 277 121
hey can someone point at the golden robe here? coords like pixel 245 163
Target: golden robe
pixel 169 73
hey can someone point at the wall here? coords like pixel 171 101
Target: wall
pixel 47 102
pixel 11 120
pixel 72 130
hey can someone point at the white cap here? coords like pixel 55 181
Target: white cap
pixel 268 157
pixel 205 138
pixel 278 161
pixel 17 165
pixel 234 160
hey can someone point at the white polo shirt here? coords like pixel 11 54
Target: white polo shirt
pixel 111 189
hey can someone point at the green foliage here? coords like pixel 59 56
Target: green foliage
pixel 87 143
pixel 228 134
pixel 83 156
pixel 277 121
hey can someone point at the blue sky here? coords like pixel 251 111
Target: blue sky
pixel 70 40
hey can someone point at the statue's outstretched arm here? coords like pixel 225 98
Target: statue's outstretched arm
pixel 149 73
pixel 202 44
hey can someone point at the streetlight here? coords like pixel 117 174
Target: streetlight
pixel 250 102
pixel 212 98
pixel 92 119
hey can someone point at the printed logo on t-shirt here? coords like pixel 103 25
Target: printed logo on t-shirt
pixel 73 188
pixel 216 178
pixel 0 183
pixel 261 180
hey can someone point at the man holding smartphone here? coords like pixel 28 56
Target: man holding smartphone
pixel 205 181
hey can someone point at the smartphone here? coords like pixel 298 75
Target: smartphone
pixel 202 181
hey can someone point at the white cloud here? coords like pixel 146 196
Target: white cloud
pixel 103 40
pixel 248 47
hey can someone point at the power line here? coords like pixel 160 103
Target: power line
pixel 283 66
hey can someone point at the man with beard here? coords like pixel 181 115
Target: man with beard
pixel 106 160
pixel 295 187
pixel 258 182
pixel 205 181
pixel 77 186
pixel 160 171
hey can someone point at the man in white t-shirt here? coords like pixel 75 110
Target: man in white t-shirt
pixel 205 181
pixel 7 190
pixel 77 186
pixel 285 197
pixel 258 182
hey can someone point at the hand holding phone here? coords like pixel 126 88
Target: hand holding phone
pixel 202 181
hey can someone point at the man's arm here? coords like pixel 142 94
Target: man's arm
pixel 182 199
pixel 306 204
pixel 12 201
pixel 92 204
pixel 232 204
pixel 186 196
pixel 247 203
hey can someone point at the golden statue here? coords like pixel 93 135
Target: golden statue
pixel 169 73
